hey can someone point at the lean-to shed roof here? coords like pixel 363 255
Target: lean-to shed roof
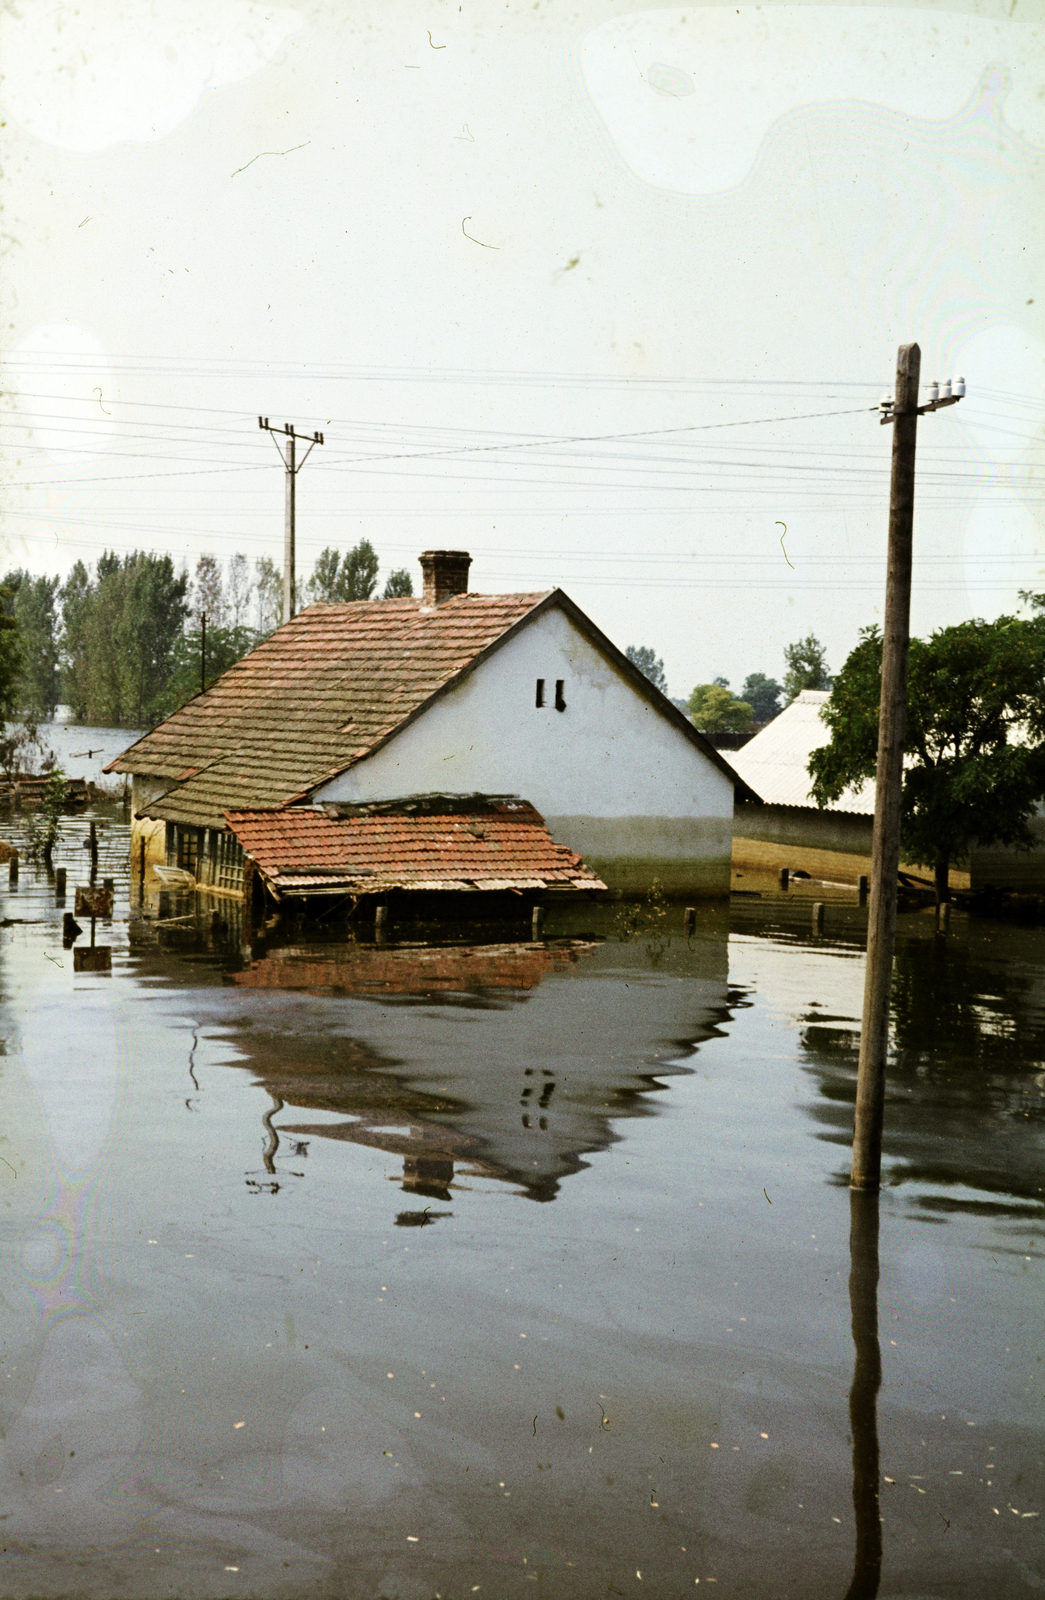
pixel 490 844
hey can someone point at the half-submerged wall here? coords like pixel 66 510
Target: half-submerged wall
pixel 827 844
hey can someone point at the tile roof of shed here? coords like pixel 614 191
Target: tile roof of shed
pixel 504 844
pixel 409 969
pixel 318 694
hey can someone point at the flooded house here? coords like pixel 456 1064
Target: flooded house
pixel 455 741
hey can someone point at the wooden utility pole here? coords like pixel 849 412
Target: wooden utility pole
pixel 293 467
pixel 885 848
pixel 903 410
pixel 203 651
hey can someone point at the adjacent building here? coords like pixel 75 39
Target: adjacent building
pixel 785 827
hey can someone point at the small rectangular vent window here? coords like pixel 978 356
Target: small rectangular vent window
pixel 560 698
pixel 540 692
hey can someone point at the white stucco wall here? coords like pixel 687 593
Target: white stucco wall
pixel 613 777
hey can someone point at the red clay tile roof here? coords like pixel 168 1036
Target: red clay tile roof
pixel 312 698
pixel 406 970
pixel 502 845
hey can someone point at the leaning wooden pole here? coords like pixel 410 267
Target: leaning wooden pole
pixel 885 854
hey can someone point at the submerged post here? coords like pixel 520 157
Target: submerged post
pixel 12 868
pixel 59 884
pixel 537 922
pixel 885 851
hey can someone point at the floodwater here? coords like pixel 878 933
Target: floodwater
pixel 83 752
pixel 335 1268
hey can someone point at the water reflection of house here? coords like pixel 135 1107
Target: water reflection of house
pixel 561 1042
pixel 498 695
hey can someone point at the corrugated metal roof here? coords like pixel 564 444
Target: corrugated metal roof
pixel 504 844
pixel 776 761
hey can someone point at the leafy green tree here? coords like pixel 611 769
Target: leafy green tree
pixel 762 695
pixel 31 602
pixel 239 587
pixel 359 572
pixel 121 627
pixel 398 585
pixel 268 587
pixel 806 667
pixel 43 827
pixel 323 585
pixel 208 592
pixel 225 646
pixel 714 709
pixel 649 664
pixel 975 742
pixel 349 577
pixel 76 600
pixel 11 662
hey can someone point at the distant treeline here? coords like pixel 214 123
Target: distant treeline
pixel 121 642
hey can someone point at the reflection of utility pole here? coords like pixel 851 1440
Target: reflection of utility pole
pixel 863 1396
pixel 293 468
pixel 902 410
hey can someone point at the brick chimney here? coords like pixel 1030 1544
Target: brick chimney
pixel 445 574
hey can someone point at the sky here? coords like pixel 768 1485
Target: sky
pixel 606 296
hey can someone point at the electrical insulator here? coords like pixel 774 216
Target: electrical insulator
pixel 934 392
pixel 886 403
pixel 959 386
pixel 945 390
